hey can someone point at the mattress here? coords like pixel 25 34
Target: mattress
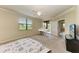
pixel 25 45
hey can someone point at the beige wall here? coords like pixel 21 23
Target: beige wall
pixel 68 15
pixel 54 27
pixel 77 14
pixel 9 26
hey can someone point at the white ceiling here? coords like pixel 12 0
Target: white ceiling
pixel 48 11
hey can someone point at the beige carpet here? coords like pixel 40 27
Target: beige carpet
pixel 56 44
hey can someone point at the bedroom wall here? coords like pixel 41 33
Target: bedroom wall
pixel 54 28
pixel 9 26
pixel 77 18
pixel 68 15
pixel 77 14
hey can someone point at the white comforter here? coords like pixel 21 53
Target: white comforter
pixel 26 45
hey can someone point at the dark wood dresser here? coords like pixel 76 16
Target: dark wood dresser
pixel 72 45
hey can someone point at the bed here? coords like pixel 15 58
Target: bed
pixel 25 45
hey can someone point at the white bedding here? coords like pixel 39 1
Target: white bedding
pixel 26 45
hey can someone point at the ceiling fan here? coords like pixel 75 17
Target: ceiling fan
pixel 39 13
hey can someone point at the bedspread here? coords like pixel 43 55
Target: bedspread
pixel 25 45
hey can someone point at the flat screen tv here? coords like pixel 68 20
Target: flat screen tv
pixel 72 30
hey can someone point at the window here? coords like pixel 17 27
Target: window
pixel 25 24
pixel 49 27
pixel 45 24
pixel 29 23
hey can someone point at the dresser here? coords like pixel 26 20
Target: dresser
pixel 72 45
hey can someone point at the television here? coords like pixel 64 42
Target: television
pixel 72 30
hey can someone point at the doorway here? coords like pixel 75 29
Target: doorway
pixel 61 27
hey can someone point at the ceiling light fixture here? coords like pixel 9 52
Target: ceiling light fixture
pixel 39 13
